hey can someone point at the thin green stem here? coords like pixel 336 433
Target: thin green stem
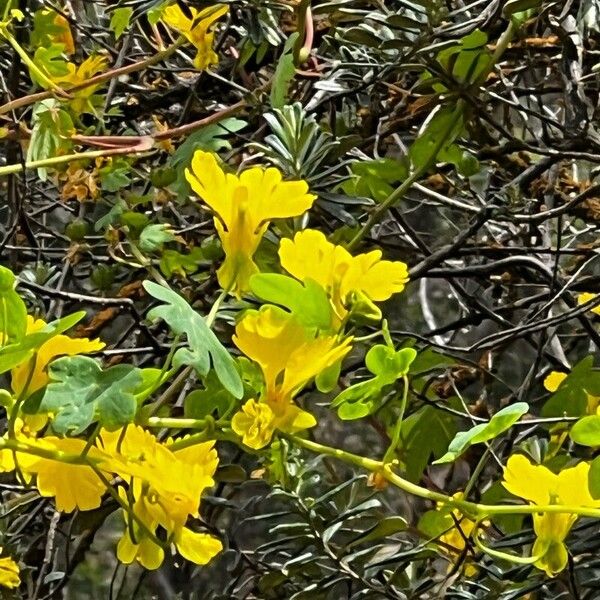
pixel 175 423
pixel 66 158
pixel 472 509
pixel 389 454
pixel 41 76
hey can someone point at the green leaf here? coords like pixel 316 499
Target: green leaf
pixel 13 312
pixel 439 134
pixel 81 393
pixel 153 237
pixel 327 379
pixel 51 133
pixel 385 528
pixel 204 346
pixel 511 7
pixel 173 262
pixel 45 28
pixel 119 21
pixel 23 349
pixel 308 301
pixel 426 432
pixel 284 74
pixel 374 178
pixel 212 399
pixel 51 61
pixel 586 431
pixel 362 399
pixel 594 478
pixel 502 421
pixel 115 175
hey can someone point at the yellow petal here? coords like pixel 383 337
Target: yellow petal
pixel 9 573
pixel 553 380
pixel 198 548
pixel 586 297
pixel 573 486
pixel 72 485
pixel 254 423
pixel 310 255
pixel 291 419
pixel 535 483
pixel 146 552
pixel 378 279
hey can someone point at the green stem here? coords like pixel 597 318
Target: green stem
pixel 175 423
pixel 472 509
pixel 389 454
pixel 47 453
pixel 66 158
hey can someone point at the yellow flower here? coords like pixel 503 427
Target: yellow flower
pixel 586 297
pixel 345 277
pixel 197 30
pixel 243 207
pixel 540 486
pixel 78 74
pixel 165 487
pixel 289 356
pixel 71 485
pixel 59 345
pixel 9 573
pixel 553 381
pixel 255 423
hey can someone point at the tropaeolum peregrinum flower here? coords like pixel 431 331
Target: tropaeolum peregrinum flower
pixel 346 278
pixel 197 30
pixel 165 488
pixel 289 356
pixel 243 206
pixel 540 486
pixel 73 486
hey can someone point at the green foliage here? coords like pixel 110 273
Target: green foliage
pixel 52 128
pixel 436 142
pixel 13 313
pixel 115 175
pixel 284 74
pixel 203 345
pixel 586 431
pixel 297 144
pixel 364 398
pixel 119 21
pixel 307 301
pixel 425 434
pixel 154 237
pixel 24 346
pixel 81 393
pixel 374 178
pixel 502 421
